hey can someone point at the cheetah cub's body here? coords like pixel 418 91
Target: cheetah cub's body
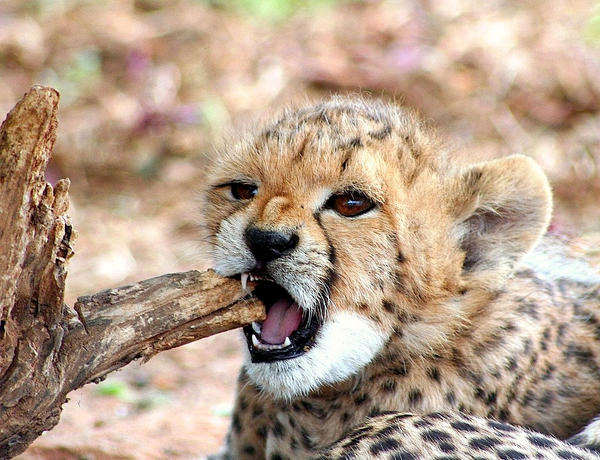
pixel 395 280
pixel 448 436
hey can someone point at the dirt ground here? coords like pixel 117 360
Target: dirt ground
pixel 147 86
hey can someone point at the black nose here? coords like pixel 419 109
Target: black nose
pixel 267 245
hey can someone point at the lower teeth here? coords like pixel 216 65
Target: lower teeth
pixel 266 346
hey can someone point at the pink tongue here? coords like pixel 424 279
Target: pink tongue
pixel 283 318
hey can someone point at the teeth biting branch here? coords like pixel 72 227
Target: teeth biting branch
pixel 259 345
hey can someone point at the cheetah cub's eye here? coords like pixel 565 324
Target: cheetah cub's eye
pixel 350 204
pixel 241 191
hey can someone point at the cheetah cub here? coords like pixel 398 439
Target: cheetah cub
pixel 395 279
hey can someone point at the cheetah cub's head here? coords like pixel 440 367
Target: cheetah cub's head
pixel 361 232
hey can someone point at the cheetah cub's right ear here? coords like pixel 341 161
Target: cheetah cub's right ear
pixel 501 210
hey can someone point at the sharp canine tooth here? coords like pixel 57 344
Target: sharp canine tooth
pixel 287 342
pixel 244 279
pixel 256 327
pixel 255 341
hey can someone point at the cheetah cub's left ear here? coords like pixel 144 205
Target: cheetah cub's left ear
pixel 501 209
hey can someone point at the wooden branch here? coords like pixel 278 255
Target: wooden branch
pixel 47 348
pixel 154 315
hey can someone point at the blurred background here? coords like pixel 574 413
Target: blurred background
pixel 147 86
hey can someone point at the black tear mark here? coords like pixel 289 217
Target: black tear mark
pixel 2 325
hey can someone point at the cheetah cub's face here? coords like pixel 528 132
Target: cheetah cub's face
pixel 359 230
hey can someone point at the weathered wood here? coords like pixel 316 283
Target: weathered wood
pixel 145 318
pixel 47 348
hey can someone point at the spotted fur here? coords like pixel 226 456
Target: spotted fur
pixel 433 300
pixel 448 436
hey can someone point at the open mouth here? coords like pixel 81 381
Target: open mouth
pixel 286 333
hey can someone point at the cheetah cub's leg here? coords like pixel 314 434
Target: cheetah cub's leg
pixel 447 435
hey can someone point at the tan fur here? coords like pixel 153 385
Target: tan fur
pixel 436 267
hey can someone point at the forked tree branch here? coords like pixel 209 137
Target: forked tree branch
pixel 47 348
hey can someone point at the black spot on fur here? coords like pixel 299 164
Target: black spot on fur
pixel 307 442
pixel 414 397
pixel 316 411
pixel 385 445
pixel 401 371
pixel 434 374
pixel 407 318
pixel 447 447
pixel 389 386
pixel 548 371
pixel 375 411
pixel 387 431
pixel 351 144
pixel 389 306
pixel 451 398
pixel 473 376
pixel 560 333
pixel 236 424
pixel 528 308
pixel 249 450
pixel 546 399
pixel 422 423
pixel 541 441
pixel 463 426
pixel 527 344
pixel 278 429
pixel 436 436
pixel 567 390
pixel 545 338
pixel 533 359
pixel 511 365
pixel 484 443
pixel 360 399
pixel 500 426
pixel 583 355
pixel 400 257
pixel 261 432
pixel 511 454
pixel 382 133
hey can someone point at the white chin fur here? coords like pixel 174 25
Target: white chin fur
pixel 345 343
